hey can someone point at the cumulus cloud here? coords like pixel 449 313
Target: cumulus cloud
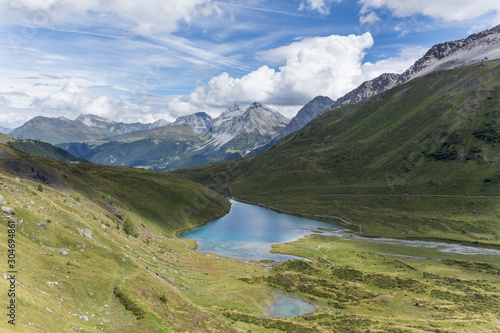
pixel 312 66
pixel 155 16
pixel 446 10
pixel 72 100
pixel 321 6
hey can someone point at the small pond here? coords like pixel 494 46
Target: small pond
pixel 286 307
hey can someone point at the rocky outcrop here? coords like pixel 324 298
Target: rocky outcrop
pixel 8 210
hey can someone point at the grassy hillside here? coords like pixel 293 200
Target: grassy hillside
pixel 418 161
pixel 85 243
pixel 41 149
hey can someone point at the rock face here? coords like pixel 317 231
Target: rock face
pixel 91 120
pixel 310 111
pixel 8 210
pixel 477 47
pixel 199 122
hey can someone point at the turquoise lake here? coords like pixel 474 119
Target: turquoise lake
pixel 247 232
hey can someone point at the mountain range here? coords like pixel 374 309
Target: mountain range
pixel 477 47
pixel 191 140
pixel 85 127
pixel 5 130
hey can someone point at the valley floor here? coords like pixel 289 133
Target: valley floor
pixel 77 270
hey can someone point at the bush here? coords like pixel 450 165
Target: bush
pixel 488 133
pixel 129 228
pixel 39 187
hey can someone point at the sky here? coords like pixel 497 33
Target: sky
pixel 145 60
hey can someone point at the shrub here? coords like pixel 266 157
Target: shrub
pixel 129 228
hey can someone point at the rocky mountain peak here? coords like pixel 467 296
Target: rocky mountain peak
pixel 257 118
pixel 159 123
pixel 303 117
pixel 481 46
pixel 257 105
pixel 233 108
pixel 199 122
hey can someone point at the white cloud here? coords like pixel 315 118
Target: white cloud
pixel 398 64
pixel 321 6
pixel 72 100
pixel 446 10
pixel 369 18
pixel 146 18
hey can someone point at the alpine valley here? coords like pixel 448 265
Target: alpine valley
pixel 407 164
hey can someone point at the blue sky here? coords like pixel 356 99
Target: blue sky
pixel 152 59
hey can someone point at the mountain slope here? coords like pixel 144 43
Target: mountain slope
pixel 477 47
pixel 420 160
pixel 85 127
pixel 307 113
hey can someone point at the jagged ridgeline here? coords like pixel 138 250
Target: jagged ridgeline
pixel 420 159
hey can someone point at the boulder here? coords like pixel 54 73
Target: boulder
pixel 8 210
pixel 2 200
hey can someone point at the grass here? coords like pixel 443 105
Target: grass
pixel 158 283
